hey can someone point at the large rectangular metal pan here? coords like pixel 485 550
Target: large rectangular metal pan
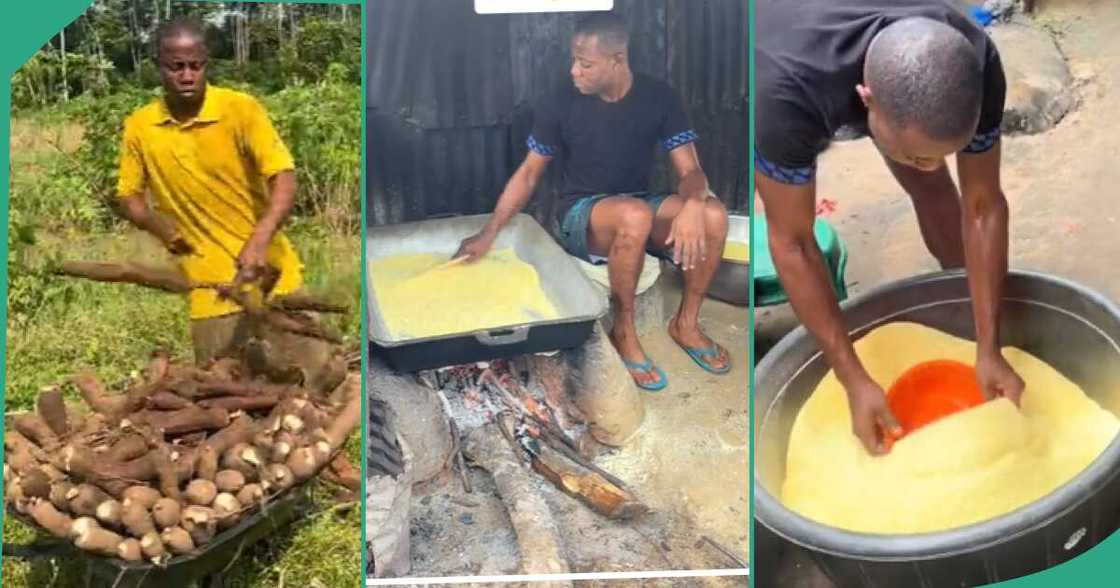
pixel 577 301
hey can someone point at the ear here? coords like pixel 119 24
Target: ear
pixel 865 95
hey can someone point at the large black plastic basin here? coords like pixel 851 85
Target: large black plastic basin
pixel 1070 327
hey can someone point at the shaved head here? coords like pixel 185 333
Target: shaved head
pixel 179 28
pixel 607 27
pixel 925 76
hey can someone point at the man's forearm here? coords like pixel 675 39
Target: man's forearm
pixel 804 276
pixel 985 243
pixel 135 210
pixel 517 192
pixel 281 200
pixel 693 185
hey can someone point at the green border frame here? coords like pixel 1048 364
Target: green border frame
pixel 750 295
pixel 26 25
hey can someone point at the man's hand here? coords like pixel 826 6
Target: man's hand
pixel 475 246
pixel 686 235
pixel 997 378
pixel 872 421
pixel 251 261
pixel 178 246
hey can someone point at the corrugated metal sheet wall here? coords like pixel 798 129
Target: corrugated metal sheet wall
pixel 449 95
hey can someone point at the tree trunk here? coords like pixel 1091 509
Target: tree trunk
pixel 134 26
pixel 292 22
pixel 99 54
pixel 239 27
pixel 62 54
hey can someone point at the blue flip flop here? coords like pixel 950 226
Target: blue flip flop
pixel 699 353
pixel 646 366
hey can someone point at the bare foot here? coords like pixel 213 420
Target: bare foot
pixel 628 346
pixel 692 336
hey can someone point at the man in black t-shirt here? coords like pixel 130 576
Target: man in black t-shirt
pixel 604 124
pixel 924 82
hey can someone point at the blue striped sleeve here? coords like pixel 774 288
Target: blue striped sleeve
pixel 540 148
pixel 679 139
pixel 786 175
pixel 983 142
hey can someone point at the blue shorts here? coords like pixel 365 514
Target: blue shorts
pixel 574 224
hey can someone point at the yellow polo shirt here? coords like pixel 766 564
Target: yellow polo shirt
pixel 210 176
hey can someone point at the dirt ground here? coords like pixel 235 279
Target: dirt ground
pixel 688 463
pixel 1061 186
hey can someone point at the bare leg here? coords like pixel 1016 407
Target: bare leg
pixel 938 206
pixel 618 230
pixel 685 326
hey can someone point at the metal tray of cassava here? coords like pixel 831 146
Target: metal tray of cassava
pixel 207 565
pixel 578 303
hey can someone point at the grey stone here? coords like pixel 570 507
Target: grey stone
pixel 1040 89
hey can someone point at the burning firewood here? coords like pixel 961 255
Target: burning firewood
pixel 537 534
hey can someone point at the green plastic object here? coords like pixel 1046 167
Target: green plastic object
pixel 767 288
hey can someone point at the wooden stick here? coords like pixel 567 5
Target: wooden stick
pixel 538 536
pixel 127 273
pixel 589 487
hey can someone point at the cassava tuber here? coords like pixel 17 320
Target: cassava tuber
pixel 177 540
pixel 152 546
pixel 35 483
pixel 109 513
pixel 35 429
pixel 129 550
pixel 207 462
pixel 136 519
pixel 59 495
pixel 57 523
pixel 192 418
pixel 229 480
pixel 279 476
pixel 85 498
pixel 142 495
pixel 168 401
pixel 200 522
pixel 52 409
pixel 128 448
pixel 227 509
pixel 98 540
pixel 250 494
pixel 201 492
pixel 243 458
pixel 111 406
pixel 20 453
pixel 165 512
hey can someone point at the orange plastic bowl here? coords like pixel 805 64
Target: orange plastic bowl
pixel 932 390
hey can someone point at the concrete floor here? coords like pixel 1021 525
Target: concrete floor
pixel 1062 188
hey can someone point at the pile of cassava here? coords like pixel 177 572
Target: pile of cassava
pixel 183 453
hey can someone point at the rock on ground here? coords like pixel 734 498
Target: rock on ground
pixel 1040 89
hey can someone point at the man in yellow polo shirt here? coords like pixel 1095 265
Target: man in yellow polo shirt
pixel 222 180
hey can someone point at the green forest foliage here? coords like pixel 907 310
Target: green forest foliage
pixel 69 102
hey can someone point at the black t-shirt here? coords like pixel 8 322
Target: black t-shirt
pixel 609 147
pixel 809 58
